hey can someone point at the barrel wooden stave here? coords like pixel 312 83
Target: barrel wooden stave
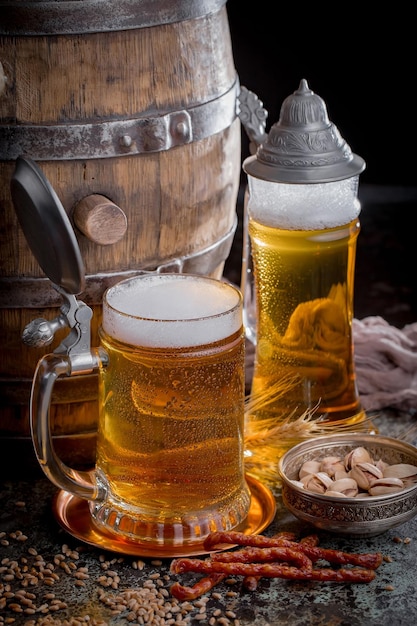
pixel 177 201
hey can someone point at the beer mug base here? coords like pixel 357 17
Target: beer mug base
pixel 165 528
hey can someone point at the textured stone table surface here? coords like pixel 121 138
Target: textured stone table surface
pixel 26 498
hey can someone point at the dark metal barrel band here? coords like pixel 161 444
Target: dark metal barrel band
pixel 119 138
pixel 36 293
pixel 66 17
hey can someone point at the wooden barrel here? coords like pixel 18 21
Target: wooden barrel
pixel 129 108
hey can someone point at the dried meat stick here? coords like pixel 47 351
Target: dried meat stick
pixel 350 575
pixel 273 570
pixel 181 592
pixel 311 540
pixel 251 582
pixel 369 560
pixel 234 537
pixel 285 534
pixel 283 553
pixel 251 555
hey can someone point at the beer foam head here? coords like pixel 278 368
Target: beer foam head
pixel 171 310
pixel 304 207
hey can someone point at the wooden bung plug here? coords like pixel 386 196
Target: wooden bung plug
pixel 99 219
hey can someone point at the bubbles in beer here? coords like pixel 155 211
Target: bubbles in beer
pixel 303 244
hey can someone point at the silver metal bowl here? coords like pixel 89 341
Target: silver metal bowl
pixel 360 517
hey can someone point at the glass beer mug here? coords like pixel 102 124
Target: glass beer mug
pixel 169 465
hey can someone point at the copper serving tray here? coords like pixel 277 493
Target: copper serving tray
pixel 73 514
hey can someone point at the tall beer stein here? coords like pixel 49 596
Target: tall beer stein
pixel 303 224
pixel 169 465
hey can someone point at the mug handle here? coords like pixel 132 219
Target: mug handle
pixel 79 483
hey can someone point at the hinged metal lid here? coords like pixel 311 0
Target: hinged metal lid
pixel 303 146
pixel 46 226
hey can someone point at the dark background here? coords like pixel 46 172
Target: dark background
pixel 363 66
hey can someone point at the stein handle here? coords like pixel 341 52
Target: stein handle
pixel 49 368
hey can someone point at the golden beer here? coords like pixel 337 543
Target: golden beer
pixel 304 337
pixel 170 440
pixel 304 380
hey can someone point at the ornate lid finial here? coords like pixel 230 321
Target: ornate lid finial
pixel 304 146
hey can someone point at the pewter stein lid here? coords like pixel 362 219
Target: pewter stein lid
pixel 303 146
pixel 46 226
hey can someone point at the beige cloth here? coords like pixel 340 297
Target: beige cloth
pixel 386 364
